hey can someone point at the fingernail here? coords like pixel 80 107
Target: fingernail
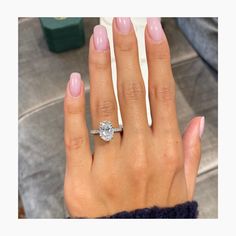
pixel 100 38
pixel 123 24
pixel 201 127
pixel 75 84
pixel 155 29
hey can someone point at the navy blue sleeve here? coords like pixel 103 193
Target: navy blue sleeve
pixel 187 210
pixel 180 211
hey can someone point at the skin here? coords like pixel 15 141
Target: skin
pixel 143 166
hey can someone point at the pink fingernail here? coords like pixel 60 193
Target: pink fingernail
pixel 201 127
pixel 123 24
pixel 100 38
pixel 155 29
pixel 75 84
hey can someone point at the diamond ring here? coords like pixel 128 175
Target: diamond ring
pixel 106 130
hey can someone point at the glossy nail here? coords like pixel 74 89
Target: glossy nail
pixel 75 84
pixel 100 38
pixel 155 29
pixel 201 127
pixel 123 24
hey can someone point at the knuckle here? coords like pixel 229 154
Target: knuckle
pixel 140 166
pixel 107 183
pixel 139 169
pixel 73 107
pixel 164 94
pixel 100 62
pixel 125 45
pixel 105 108
pixel 173 162
pixel 160 54
pixel 74 143
pixel 133 91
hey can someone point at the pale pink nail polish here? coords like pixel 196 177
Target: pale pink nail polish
pixel 75 84
pixel 201 127
pixel 100 38
pixel 155 29
pixel 123 24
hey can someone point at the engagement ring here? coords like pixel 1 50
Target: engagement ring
pixel 106 130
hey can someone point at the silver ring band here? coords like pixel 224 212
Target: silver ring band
pixel 96 131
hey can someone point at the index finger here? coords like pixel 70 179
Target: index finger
pixel 78 154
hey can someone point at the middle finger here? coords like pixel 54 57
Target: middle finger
pixel 131 90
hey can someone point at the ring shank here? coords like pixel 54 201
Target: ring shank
pixel 119 129
pixel 94 131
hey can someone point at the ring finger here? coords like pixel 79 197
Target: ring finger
pixel 102 98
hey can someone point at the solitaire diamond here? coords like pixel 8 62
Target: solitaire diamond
pixel 106 130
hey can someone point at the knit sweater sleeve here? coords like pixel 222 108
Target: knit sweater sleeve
pixel 180 211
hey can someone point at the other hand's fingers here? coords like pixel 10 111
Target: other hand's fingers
pixel 131 90
pixel 102 99
pixel 192 152
pixel 78 153
pixel 161 82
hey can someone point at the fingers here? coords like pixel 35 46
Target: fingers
pixel 78 153
pixel 192 152
pixel 102 99
pixel 131 90
pixel 160 80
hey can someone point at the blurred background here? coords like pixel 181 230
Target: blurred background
pixel 51 48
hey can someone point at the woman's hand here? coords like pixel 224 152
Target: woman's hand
pixel 143 166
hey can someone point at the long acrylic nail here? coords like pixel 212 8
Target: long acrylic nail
pixel 201 127
pixel 123 24
pixel 100 38
pixel 75 84
pixel 155 29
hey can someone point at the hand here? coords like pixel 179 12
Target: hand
pixel 143 166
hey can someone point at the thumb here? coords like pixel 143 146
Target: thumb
pixel 192 151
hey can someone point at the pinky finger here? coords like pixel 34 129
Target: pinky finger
pixel 192 152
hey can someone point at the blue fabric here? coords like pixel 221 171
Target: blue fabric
pixel 187 210
pixel 202 33
pixel 180 211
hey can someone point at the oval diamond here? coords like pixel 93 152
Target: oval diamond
pixel 106 130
